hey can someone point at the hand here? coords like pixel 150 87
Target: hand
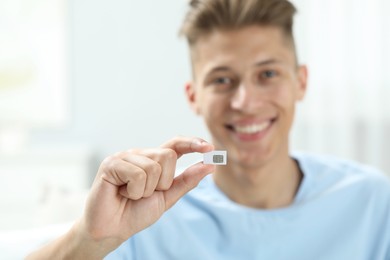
pixel 133 189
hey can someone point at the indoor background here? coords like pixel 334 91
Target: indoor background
pixel 80 80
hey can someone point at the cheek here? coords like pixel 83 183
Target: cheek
pixel 286 101
pixel 211 106
pixel 285 96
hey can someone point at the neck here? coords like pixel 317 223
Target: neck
pixel 271 185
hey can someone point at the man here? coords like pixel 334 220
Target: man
pixel 265 203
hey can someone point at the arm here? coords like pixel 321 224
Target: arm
pixel 131 191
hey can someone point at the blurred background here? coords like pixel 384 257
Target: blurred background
pixel 80 80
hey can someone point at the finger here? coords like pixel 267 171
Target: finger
pixel 182 145
pixel 167 159
pixel 129 178
pixel 152 169
pixel 185 182
pixel 132 173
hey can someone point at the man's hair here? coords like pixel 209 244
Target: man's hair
pixel 205 16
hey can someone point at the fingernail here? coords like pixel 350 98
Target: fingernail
pixel 199 143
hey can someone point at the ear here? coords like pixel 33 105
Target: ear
pixel 191 97
pixel 302 81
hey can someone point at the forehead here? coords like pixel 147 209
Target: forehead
pixel 241 48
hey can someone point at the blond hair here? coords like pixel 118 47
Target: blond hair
pixel 205 16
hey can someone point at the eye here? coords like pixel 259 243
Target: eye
pixel 222 81
pixel 222 84
pixel 268 74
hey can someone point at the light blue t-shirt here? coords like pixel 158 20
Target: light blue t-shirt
pixel 341 211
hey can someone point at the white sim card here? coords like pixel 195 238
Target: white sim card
pixel 215 157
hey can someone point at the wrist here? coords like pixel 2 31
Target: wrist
pixel 82 245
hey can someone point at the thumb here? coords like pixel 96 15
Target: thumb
pixel 185 182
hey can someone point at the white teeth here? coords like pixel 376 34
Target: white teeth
pixel 251 129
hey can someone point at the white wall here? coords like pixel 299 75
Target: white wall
pixel 127 71
pixel 346 45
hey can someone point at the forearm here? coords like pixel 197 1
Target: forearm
pixel 74 245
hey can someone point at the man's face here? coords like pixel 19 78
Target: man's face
pixel 246 84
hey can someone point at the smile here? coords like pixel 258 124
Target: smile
pixel 251 130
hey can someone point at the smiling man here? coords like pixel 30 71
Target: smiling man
pixel 246 83
pixel 266 203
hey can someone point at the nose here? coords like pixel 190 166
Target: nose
pixel 246 98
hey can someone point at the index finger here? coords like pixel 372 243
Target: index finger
pixel 182 145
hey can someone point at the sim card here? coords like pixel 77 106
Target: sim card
pixel 215 157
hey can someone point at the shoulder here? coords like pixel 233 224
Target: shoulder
pixel 321 163
pixel 344 173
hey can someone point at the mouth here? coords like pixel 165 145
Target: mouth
pixel 251 129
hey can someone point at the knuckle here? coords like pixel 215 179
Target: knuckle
pixel 138 175
pixel 153 168
pixel 190 183
pixel 177 138
pixel 169 154
pixel 172 141
pixel 109 163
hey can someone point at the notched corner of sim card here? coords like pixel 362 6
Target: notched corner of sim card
pixel 215 157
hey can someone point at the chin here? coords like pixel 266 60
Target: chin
pixel 253 161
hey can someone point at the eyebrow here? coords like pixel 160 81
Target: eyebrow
pixel 258 64
pixel 267 62
pixel 217 69
pixel 220 68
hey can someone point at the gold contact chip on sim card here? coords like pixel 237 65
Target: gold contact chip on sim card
pixel 215 157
